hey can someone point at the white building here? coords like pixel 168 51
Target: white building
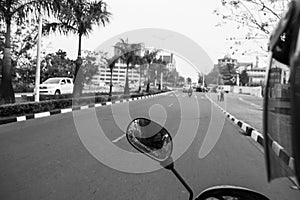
pixel 119 71
pixel 169 59
pixel 118 76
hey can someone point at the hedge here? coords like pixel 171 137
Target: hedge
pixel 54 104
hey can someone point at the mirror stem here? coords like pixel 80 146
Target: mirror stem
pixel 170 166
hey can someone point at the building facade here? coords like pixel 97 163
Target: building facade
pixel 255 73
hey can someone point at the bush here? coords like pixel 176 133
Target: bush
pixel 43 106
pixel 54 104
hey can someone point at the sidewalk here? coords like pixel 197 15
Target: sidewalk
pixel 244 107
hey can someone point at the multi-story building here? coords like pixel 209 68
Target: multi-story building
pixel 169 59
pixel 255 73
pixel 119 71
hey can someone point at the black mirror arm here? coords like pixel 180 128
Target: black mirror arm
pixel 169 164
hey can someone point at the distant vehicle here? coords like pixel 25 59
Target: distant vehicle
pixel 185 88
pixel 57 86
pixel 226 88
pixel 201 89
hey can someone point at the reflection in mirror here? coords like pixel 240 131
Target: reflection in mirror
pixel 278 115
pixel 150 138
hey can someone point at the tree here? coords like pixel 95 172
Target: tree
pixel 188 80
pixel 213 76
pixel 257 17
pixel 244 78
pixel 158 68
pixel 149 57
pixel 228 73
pixel 78 17
pixel 172 77
pixel 129 54
pixel 181 80
pixel 23 39
pixel 111 62
pixel 56 64
pixel 141 62
pixel 16 12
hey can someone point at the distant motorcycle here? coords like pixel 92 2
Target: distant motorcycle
pixel 190 92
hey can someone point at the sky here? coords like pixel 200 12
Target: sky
pixel 192 18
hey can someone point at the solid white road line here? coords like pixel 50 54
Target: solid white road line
pixel 119 138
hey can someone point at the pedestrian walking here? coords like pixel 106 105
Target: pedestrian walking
pixel 222 95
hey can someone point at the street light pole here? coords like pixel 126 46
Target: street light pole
pixel 38 65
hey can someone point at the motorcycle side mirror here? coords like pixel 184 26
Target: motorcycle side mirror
pixel 230 192
pixel 150 138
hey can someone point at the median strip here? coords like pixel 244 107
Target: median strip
pixel 75 108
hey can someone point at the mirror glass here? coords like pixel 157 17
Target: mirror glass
pixel 150 138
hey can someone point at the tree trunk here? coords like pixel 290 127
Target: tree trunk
pixel 111 84
pixel 78 75
pixel 148 82
pixel 6 90
pixel 140 79
pixel 126 89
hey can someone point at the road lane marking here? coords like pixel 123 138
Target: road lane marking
pixel 119 138
pixel 43 114
pixel 84 107
pixel 66 110
pixel 22 118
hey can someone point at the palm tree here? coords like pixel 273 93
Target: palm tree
pixel 149 57
pixel 78 17
pixel 129 56
pixel 161 69
pixel 16 12
pixel 111 62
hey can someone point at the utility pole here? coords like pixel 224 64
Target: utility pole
pixel 38 65
pixel 161 80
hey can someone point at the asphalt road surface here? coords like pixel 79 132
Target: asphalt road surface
pixel 58 157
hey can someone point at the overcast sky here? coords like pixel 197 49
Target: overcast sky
pixel 191 18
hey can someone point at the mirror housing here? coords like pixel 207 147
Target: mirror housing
pixel 150 138
pixel 232 192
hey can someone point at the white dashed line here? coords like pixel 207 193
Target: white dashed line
pixel 119 138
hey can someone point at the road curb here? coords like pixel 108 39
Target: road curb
pixel 72 109
pixel 257 136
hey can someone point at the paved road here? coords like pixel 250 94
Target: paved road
pixel 247 108
pixel 46 158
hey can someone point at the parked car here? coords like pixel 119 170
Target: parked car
pixel 57 86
